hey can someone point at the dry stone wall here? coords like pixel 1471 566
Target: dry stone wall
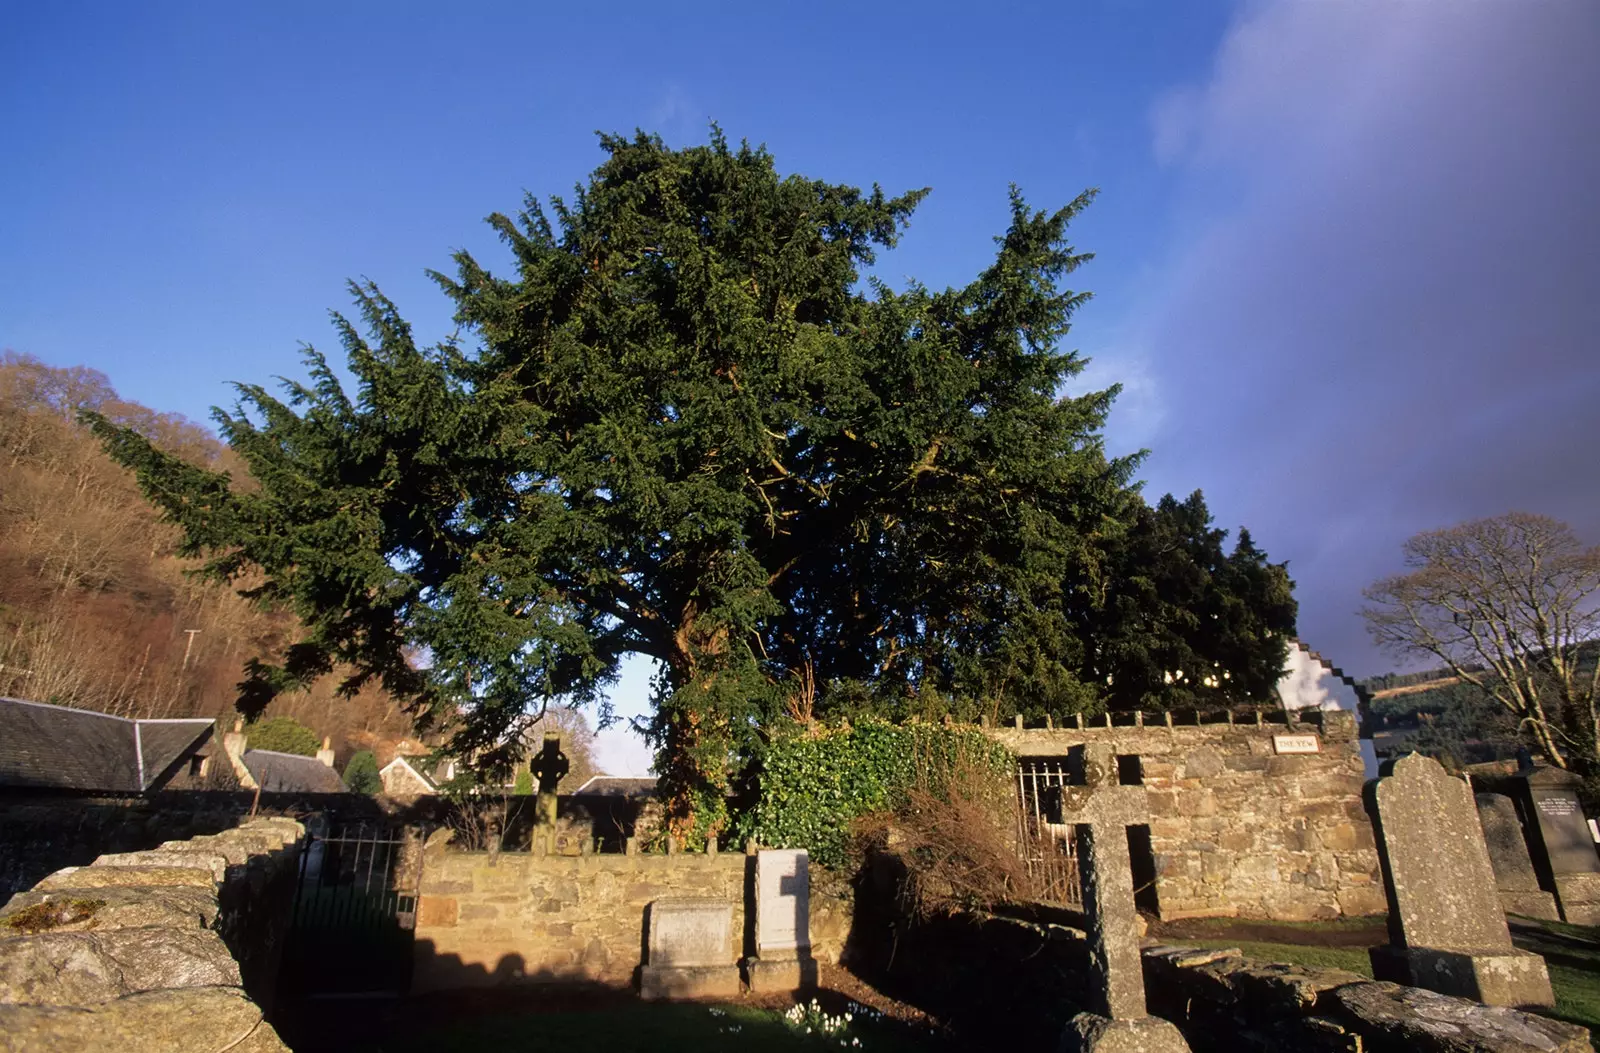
pixel 526 918
pixel 1239 828
pixel 135 953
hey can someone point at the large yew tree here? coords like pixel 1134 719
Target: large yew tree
pixel 685 426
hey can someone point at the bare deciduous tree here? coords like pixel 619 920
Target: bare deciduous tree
pixel 1505 604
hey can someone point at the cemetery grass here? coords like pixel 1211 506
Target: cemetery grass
pixel 643 1027
pixel 1571 952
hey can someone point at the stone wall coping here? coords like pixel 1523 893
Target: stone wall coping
pixel 600 860
pixel 1160 737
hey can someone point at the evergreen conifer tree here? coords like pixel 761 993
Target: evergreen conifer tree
pixel 687 427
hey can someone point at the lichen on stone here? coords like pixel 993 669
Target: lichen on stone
pixel 51 914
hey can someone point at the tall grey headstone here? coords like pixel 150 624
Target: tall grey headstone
pixel 783 960
pixel 1560 841
pixel 1447 931
pixel 689 950
pixel 1514 875
pixel 1098 813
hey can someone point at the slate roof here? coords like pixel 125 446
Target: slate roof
pixel 60 747
pixel 618 786
pixel 291 773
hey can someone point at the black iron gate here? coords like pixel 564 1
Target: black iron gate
pixel 354 912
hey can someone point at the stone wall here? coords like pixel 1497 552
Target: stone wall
pixel 42 831
pixel 529 918
pixel 1237 828
pixel 173 948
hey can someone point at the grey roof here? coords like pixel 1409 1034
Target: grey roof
pixel 60 747
pixel 291 773
pixel 618 786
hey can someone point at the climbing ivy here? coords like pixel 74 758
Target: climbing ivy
pixel 813 786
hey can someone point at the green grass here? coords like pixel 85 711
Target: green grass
pixel 1571 952
pixel 660 1028
pixel 1349 958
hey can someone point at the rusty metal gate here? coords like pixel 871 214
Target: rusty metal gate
pixel 1051 857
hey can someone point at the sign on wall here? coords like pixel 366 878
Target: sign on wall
pixel 1296 744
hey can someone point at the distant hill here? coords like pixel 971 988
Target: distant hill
pixel 96 608
pixel 1436 712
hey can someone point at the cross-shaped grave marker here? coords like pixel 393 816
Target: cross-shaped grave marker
pixel 548 768
pixel 1097 812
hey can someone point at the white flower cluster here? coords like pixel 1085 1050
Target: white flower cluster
pixel 731 1029
pixel 811 1020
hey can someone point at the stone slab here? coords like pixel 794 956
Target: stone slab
pixel 1092 1033
pixel 1516 978
pixel 687 933
pixel 1578 896
pixel 1391 1017
pixel 81 968
pixel 1540 905
pixel 193 1020
pixel 100 909
pixel 783 902
pixel 1508 851
pixel 124 877
pixel 1560 823
pixel 212 861
pixel 780 975
pixel 1440 878
pixel 669 982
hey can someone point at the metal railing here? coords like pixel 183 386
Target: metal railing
pixel 1050 857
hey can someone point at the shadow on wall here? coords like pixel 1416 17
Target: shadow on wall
pixel 448 974
pixel 421 1021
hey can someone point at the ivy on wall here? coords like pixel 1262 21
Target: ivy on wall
pixel 814 786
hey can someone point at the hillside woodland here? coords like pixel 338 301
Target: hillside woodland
pixel 96 609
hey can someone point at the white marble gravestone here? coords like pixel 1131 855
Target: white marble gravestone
pixel 783 959
pixel 689 950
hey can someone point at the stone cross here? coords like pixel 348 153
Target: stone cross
pixel 549 767
pixel 1447 930
pixel 1098 812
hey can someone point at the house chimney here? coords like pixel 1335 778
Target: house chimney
pixel 325 754
pixel 233 744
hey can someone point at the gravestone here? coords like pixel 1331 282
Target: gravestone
pixel 783 960
pixel 1097 812
pixel 548 768
pixel 689 950
pixel 1447 931
pixel 1514 875
pixel 1560 843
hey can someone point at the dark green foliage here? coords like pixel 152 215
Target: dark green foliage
pixel 523 786
pixel 813 787
pixel 686 428
pixel 1174 602
pixel 282 735
pixel 361 774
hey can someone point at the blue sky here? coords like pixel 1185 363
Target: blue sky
pixel 1345 257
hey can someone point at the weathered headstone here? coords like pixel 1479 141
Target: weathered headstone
pixel 548 768
pixel 1514 875
pixel 689 950
pixel 1099 812
pixel 783 960
pixel 1447 931
pixel 1559 841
